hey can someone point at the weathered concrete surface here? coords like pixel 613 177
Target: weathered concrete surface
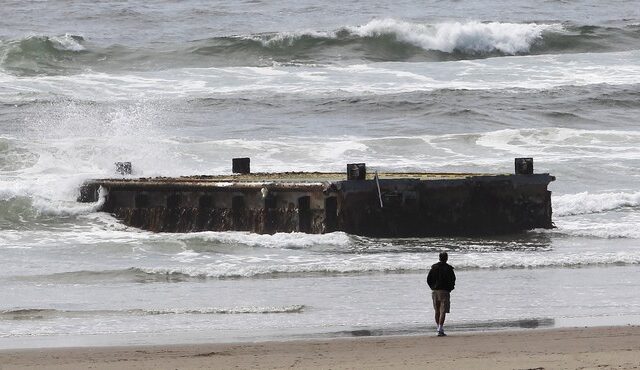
pixel 413 204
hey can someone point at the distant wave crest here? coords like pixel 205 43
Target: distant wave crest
pixel 469 38
pixel 347 266
pixel 463 262
pixel 35 44
pixel 39 54
pixel 46 313
pixel 477 256
pixel 378 40
pixel 392 39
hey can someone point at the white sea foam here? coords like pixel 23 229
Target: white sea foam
pixel 558 144
pixel 625 229
pixel 385 262
pixel 469 37
pixel 278 240
pixel 53 195
pixel 586 202
pixel 230 310
pixel 520 72
pixel 64 208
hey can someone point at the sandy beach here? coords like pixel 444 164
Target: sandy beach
pixel 578 348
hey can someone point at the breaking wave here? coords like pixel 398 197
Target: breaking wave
pixel 39 54
pixel 585 202
pixel 471 38
pixel 333 265
pixel 24 208
pixel 396 40
pixel 391 37
pixel 377 40
pixel 385 264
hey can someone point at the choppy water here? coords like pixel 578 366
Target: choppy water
pixel 180 88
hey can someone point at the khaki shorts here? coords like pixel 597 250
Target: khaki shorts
pixel 441 301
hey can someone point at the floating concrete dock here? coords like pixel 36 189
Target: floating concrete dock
pixel 355 202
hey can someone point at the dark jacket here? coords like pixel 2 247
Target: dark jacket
pixel 441 277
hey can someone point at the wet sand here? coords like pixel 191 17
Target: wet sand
pixel 591 348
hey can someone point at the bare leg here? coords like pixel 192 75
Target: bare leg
pixel 437 317
pixel 440 319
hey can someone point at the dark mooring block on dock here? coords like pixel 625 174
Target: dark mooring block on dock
pixel 356 171
pixel 241 165
pixel 524 166
pixel 382 205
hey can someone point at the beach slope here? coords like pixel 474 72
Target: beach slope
pixel 592 348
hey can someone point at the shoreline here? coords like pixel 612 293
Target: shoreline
pixel 614 346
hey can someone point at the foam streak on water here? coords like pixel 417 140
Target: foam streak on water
pixel 376 78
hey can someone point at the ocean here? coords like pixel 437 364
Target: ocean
pixel 181 87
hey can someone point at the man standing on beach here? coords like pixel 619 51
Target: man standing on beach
pixel 441 280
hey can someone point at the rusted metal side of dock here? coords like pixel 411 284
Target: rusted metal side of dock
pixel 384 205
